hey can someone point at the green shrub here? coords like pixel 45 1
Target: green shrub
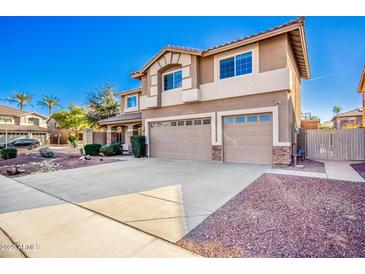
pixel 111 149
pixel 8 153
pixel 72 139
pixel 46 152
pixel 138 146
pixel 92 149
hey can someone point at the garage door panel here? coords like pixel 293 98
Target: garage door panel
pixel 181 142
pixel 247 142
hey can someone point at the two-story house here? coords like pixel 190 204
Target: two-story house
pixel 18 123
pixel 237 102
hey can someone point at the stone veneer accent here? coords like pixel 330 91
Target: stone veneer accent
pixel 281 156
pixel 217 153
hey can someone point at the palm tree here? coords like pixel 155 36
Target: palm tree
pixel 21 99
pixel 51 102
pixel 336 110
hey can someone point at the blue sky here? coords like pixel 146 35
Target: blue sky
pixel 69 56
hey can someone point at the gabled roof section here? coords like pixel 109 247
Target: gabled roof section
pixel 161 52
pixel 9 111
pixel 351 113
pixel 295 29
pixel 128 91
pixel 361 88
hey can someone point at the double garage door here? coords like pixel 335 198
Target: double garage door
pixel 246 139
pixel 181 139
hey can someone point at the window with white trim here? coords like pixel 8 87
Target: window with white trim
pixel 132 101
pixel 172 80
pixel 6 120
pixel 237 65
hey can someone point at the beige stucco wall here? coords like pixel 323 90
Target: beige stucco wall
pixel 273 53
pixel 123 101
pixel 295 95
pixel 245 102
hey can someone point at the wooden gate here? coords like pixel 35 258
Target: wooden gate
pixel 337 144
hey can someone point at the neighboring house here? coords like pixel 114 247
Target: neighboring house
pixel 57 135
pixel 119 128
pixel 351 118
pixel 237 102
pixel 361 89
pixel 18 123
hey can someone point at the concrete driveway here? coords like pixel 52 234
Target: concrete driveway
pixel 164 198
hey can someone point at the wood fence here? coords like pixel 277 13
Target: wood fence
pixel 336 144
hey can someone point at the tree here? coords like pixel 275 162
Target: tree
pixel 51 102
pixel 21 99
pixel 336 110
pixel 101 104
pixel 73 119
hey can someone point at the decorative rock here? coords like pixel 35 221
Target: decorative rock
pixel 87 157
pixel 12 170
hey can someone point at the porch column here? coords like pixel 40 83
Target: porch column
pixel 109 134
pixel 128 135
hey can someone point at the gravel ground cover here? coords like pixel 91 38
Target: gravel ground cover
pixel 33 163
pixel 359 168
pixel 286 216
pixel 306 165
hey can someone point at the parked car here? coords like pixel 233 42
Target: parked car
pixel 23 143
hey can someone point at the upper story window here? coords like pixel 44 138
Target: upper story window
pixel 6 120
pixel 172 80
pixel 132 101
pixel 33 121
pixel 236 65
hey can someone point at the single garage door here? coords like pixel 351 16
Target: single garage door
pixel 248 139
pixel 181 139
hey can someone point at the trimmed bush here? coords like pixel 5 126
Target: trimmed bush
pixel 138 146
pixel 8 153
pixel 46 152
pixel 92 149
pixel 111 149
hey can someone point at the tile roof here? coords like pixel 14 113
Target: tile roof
pixel 294 21
pixel 5 110
pixel 122 118
pixel 128 91
pixel 12 127
pixel 297 38
pixel 9 111
pixel 354 112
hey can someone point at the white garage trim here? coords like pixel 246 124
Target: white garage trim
pixel 275 122
pixel 217 122
pixel 210 115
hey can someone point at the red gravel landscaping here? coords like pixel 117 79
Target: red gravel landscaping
pixel 286 216
pixel 306 165
pixel 360 168
pixel 34 163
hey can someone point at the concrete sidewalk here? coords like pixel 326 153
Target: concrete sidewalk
pixel 342 170
pixel 54 228
pixel 336 170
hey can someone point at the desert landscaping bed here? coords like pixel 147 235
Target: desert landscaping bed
pixel 359 168
pixel 286 216
pixel 33 163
